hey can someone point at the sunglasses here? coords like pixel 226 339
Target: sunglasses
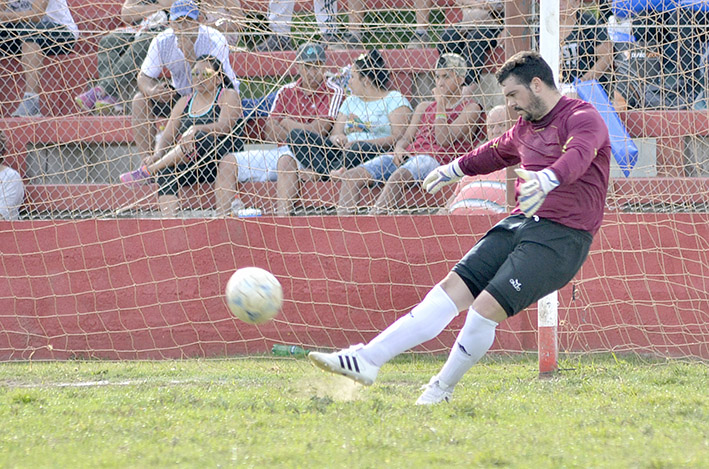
pixel 206 73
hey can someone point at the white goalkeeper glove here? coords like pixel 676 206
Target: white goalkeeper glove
pixel 534 190
pixel 442 176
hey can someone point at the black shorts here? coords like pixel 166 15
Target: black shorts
pixel 521 260
pixel 164 108
pixel 52 38
pixel 203 167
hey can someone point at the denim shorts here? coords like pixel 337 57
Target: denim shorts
pixel 382 167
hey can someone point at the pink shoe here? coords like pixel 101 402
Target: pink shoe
pixel 137 176
pixel 107 104
pixel 87 99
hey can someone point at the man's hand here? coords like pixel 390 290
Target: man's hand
pixel 534 190
pixel 442 176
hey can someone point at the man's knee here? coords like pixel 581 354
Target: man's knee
pixel 401 175
pixel 286 163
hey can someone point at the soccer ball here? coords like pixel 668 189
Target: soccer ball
pixel 254 295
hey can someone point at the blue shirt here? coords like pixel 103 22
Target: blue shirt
pixel 368 120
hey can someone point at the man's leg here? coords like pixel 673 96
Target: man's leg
pixel 142 122
pixel 473 341
pixel 326 16
pixel 393 190
pixel 421 37
pixel 31 65
pixel 353 181
pixel 286 185
pixel 423 323
pixel 225 185
pixel 280 16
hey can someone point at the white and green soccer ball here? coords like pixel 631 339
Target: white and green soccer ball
pixel 254 295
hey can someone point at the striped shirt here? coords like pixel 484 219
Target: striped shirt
pixel 292 101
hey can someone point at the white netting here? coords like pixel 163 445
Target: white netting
pixel 85 274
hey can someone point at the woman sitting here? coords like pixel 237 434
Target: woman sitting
pixel 199 132
pixel 369 123
pixel 440 130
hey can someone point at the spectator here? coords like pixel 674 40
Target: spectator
pixel 368 124
pixel 586 51
pixel 174 49
pixel 12 189
pixel 473 38
pixel 225 16
pixel 121 52
pixel 487 193
pixel 280 18
pixel 310 106
pixel 197 134
pixel 678 37
pixel 30 30
pixel 439 131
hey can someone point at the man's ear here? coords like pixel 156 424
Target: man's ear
pixel 536 85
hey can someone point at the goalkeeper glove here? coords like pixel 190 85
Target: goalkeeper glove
pixel 534 190
pixel 442 176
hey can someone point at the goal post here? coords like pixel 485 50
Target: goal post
pixel 548 307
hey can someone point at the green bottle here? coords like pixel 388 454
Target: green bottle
pixel 288 350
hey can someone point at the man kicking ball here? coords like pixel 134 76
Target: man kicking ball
pixel 564 150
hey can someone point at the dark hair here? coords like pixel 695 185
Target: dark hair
pixel 216 65
pixel 373 66
pixel 525 66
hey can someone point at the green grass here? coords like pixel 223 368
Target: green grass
pixel 266 412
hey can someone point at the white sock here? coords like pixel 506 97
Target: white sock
pixel 474 340
pixel 423 323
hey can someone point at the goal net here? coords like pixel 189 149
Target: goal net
pixel 95 264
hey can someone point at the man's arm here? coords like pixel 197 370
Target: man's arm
pixel 154 88
pixel 496 154
pixel 586 135
pixel 462 127
pixel 134 11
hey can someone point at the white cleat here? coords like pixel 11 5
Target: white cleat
pixel 347 363
pixel 435 392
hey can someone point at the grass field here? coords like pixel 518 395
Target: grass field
pixel 266 412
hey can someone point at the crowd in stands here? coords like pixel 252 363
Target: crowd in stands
pixel 353 128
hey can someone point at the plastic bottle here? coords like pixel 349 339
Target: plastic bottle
pixel 237 205
pixel 249 212
pixel 288 350
pixel 238 209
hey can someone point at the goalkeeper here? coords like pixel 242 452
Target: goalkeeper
pixel 564 150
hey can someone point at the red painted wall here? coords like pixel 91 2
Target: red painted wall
pixel 146 288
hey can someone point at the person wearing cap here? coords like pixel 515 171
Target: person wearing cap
pixel 440 130
pixel 308 104
pixel 280 18
pixel 121 52
pixel 174 49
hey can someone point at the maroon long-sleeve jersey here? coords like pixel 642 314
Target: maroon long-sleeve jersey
pixel 572 140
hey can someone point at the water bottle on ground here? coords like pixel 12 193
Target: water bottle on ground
pixel 238 209
pixel 281 350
